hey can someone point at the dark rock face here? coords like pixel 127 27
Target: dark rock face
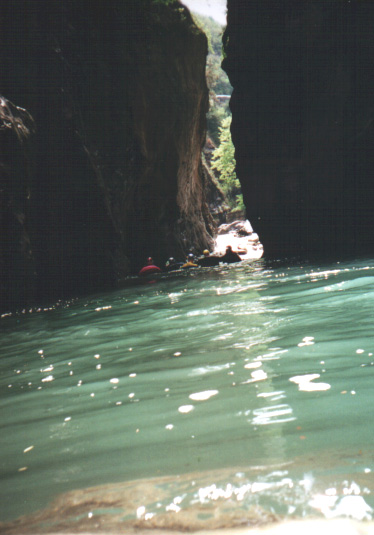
pixel 113 172
pixel 303 122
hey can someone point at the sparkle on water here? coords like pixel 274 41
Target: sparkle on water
pixel 228 396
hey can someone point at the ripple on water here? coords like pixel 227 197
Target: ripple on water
pixel 265 369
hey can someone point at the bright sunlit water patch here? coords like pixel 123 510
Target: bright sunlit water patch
pixel 212 397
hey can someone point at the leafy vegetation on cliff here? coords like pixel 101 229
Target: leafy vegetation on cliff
pixel 224 161
pixel 217 79
pixel 219 115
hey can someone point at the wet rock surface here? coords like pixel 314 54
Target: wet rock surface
pixel 240 236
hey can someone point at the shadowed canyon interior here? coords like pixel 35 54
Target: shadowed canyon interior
pixel 103 117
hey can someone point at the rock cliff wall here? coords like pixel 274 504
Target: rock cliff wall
pixel 302 124
pixel 112 171
pixel 104 168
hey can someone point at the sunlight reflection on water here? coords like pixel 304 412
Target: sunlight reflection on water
pixel 241 387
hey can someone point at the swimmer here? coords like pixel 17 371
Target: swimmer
pixel 207 260
pixel 230 256
pixel 172 264
pixel 190 262
pixel 150 267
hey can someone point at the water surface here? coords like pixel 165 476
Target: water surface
pixel 225 396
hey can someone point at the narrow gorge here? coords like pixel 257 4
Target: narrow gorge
pixel 103 119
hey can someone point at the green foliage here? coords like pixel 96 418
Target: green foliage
pixel 217 79
pixel 219 117
pixel 214 117
pixel 224 162
pixel 212 30
pixel 224 155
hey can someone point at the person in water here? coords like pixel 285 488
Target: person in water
pixel 172 264
pixel 208 260
pixel 150 267
pixel 230 256
pixel 190 262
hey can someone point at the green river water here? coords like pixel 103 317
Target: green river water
pixel 227 396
